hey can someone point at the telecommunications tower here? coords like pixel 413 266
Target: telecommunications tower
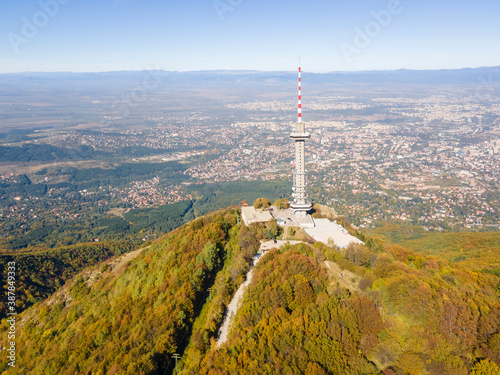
pixel 300 205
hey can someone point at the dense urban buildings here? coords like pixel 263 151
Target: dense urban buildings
pixel 425 158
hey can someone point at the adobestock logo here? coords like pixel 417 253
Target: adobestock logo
pixel 486 90
pixel 222 7
pixel 364 36
pixel 122 107
pixel 31 26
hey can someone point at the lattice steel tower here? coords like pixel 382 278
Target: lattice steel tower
pixel 300 205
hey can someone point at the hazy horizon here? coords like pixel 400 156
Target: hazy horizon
pixel 255 70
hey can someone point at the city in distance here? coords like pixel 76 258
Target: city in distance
pixel 97 165
pixel 412 147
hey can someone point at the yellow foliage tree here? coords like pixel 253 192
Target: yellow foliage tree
pixel 485 367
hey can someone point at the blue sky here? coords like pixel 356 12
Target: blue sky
pixel 183 35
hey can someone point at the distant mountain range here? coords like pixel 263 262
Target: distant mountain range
pixel 217 79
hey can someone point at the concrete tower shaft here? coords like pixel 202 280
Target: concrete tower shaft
pixel 300 205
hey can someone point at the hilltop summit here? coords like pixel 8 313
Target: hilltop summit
pixel 309 309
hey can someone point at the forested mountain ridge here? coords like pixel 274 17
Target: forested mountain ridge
pixel 48 265
pixel 43 272
pixel 134 319
pixel 412 315
pixel 479 250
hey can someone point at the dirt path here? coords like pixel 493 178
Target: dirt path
pixel 232 308
pixel 117 263
pixel 346 279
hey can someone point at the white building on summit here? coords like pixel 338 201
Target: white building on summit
pixel 250 215
pixel 300 205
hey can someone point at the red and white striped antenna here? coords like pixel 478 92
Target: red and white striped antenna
pixel 300 96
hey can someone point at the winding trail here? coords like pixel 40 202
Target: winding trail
pixel 232 308
pixel 345 278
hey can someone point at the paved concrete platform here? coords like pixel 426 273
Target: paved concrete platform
pixel 326 229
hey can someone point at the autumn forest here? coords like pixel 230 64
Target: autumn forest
pixel 392 311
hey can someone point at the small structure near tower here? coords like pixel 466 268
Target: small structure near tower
pixel 250 215
pixel 300 205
